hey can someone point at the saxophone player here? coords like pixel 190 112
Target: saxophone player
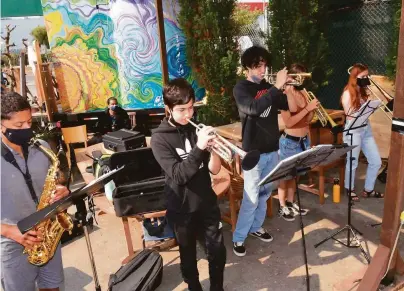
pixel 23 172
pixel 294 140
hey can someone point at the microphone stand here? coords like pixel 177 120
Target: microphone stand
pixel 85 219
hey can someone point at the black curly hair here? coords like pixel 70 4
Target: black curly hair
pixel 253 56
pixel 178 92
pixel 12 102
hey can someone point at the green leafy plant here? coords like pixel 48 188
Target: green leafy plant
pixel 40 35
pixel 391 59
pixel 212 53
pixel 243 16
pixel 297 34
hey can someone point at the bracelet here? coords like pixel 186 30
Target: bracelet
pixel 306 109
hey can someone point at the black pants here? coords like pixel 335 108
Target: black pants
pixel 204 226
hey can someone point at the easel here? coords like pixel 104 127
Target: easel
pixel 299 164
pixel 359 120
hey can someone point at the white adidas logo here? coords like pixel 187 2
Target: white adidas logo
pixel 266 112
pixel 184 154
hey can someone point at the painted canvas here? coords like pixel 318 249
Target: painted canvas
pixel 105 48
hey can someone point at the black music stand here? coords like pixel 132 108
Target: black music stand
pixel 359 120
pixel 298 165
pixel 77 198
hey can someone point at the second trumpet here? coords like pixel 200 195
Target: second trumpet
pixel 226 150
pixel 321 113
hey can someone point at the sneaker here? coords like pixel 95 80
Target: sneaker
pixel 294 208
pixel 263 235
pixel 239 249
pixel 285 213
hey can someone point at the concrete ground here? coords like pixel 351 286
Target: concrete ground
pixel 278 265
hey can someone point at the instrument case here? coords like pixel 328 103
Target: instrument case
pixel 123 140
pixel 143 273
pixel 140 186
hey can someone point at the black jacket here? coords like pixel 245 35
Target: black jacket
pixel 258 106
pixel 188 184
pixel 107 124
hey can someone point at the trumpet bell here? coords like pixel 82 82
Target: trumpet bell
pixel 250 160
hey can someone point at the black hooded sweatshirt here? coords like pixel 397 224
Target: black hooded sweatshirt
pixel 258 106
pixel 188 183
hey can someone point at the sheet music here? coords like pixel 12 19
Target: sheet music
pixel 362 114
pixel 99 179
pixel 318 155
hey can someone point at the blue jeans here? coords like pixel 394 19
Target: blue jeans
pixel 363 139
pixel 288 147
pixel 254 205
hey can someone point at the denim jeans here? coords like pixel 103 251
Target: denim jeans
pixel 254 205
pixel 363 139
pixel 288 147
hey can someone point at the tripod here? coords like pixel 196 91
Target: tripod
pixel 362 116
pixel 86 220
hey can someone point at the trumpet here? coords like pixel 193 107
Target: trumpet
pixel 298 79
pixel 320 112
pixel 226 150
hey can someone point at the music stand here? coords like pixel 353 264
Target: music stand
pixel 299 164
pixel 77 198
pixel 359 120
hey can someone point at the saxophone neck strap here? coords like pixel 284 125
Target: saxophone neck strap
pixel 9 157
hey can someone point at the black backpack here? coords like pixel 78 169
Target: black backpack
pixel 143 273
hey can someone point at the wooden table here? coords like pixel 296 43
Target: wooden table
pixel 221 182
pixel 233 131
pixel 317 134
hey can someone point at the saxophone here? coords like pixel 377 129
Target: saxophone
pixel 52 228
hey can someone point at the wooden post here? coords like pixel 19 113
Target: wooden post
pixel 23 81
pixel 394 201
pixel 394 198
pixel 162 43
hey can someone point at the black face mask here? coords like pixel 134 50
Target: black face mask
pixel 363 82
pixel 299 88
pixel 19 137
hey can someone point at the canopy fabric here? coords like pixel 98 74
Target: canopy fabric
pixel 20 8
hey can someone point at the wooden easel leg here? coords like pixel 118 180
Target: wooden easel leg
pixel 233 211
pixel 128 238
pixel 321 182
pixel 269 206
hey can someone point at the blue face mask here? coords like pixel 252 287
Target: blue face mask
pixel 256 79
pixel 114 107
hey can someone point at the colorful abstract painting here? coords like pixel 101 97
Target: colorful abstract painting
pixel 105 48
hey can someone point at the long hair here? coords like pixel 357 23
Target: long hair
pixel 352 86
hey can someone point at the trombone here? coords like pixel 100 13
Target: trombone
pixel 320 112
pixel 383 106
pixel 226 150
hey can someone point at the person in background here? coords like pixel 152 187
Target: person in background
pixel 258 103
pixel 294 140
pixel 115 118
pixel 353 96
pixel 192 210
pixel 23 171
